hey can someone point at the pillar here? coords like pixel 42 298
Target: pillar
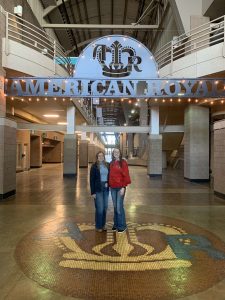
pixel 124 144
pixel 121 142
pixel 7 147
pixel 154 163
pixel 130 143
pixel 143 137
pixel 70 145
pixel 196 143
pixel 164 160
pixel 219 158
pixel 91 149
pixel 83 151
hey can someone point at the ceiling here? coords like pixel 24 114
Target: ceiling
pixel 103 12
pixel 125 12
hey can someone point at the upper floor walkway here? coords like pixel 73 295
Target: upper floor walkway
pixel 28 49
pixel 197 53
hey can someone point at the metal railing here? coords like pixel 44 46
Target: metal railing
pixel 24 32
pixel 201 37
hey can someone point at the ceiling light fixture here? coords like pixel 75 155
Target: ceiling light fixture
pixel 51 116
pixel 62 123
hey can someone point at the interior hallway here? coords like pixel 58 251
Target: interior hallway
pixel 43 197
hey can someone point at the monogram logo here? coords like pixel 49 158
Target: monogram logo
pixel 157 257
pixel 123 257
pixel 116 68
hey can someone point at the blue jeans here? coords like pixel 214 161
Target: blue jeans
pixel 119 212
pixel 101 205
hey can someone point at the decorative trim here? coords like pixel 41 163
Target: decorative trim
pixel 219 125
pixel 8 194
pixel 218 194
pixel 7 122
pixel 197 180
pixel 69 175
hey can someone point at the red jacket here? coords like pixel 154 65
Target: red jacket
pixel 119 176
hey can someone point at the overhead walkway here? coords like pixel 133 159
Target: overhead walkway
pixel 197 53
pixel 28 49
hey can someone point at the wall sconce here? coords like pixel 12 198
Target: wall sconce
pixel 18 10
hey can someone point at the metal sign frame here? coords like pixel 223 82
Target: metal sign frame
pixel 115 88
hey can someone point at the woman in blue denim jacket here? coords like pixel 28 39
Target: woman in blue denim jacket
pixel 99 174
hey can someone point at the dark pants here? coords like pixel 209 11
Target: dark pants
pixel 119 212
pixel 101 205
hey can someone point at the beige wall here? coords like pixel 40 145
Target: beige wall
pixel 7 157
pixel 23 139
pixel 35 151
pixel 219 159
pixel 52 152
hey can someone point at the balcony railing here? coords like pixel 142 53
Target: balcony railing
pixel 24 32
pixel 201 37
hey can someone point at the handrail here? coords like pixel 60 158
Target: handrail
pixel 32 36
pixel 200 37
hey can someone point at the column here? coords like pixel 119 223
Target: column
pixel 83 151
pixel 219 158
pixel 154 163
pixel 196 143
pixel 91 149
pixel 7 147
pixel 143 137
pixel 121 142
pixel 70 145
pixel 124 144
pixel 130 142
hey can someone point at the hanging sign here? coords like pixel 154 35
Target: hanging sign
pixel 115 66
pixel 71 87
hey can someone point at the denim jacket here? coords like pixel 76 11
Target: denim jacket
pixel 95 179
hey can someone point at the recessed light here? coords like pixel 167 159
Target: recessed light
pixel 62 123
pixel 51 116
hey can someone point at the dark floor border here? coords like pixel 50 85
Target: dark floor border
pixel 155 175
pixel 218 194
pixel 36 167
pixel 197 180
pixel 69 175
pixel 8 194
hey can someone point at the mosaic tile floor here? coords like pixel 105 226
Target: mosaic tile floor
pixel 174 247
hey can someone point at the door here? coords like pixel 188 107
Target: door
pixel 19 156
pixel 25 158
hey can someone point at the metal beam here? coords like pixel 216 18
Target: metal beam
pixel 100 26
pixel 86 16
pixel 99 15
pixel 49 9
pixel 98 129
pixel 125 13
pixel 80 17
pixel 112 13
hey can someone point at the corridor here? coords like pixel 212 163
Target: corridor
pixel 50 250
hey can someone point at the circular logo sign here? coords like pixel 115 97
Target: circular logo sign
pixel 155 256
pixel 116 56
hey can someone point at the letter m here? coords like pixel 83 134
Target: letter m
pixel 34 88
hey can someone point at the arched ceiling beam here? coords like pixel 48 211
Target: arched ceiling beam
pixel 101 26
pixel 81 44
pixel 50 8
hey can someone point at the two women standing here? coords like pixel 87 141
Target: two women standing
pixel 100 189
pixel 118 178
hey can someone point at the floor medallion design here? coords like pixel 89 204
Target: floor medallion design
pixel 156 258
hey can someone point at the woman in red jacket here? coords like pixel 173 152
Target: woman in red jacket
pixel 119 178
